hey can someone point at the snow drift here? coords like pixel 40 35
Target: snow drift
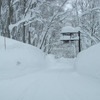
pixel 88 61
pixel 18 54
pixel 26 75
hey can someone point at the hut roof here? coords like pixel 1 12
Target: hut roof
pixel 70 29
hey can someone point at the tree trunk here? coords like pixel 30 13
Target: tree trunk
pixel 0 7
pixel 29 38
pixel 9 18
pixel 23 38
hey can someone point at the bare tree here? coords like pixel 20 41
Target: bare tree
pixel 49 26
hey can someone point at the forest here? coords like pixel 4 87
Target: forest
pixel 39 23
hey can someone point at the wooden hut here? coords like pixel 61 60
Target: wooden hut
pixel 70 34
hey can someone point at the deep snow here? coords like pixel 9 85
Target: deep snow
pixel 27 74
pixel 88 62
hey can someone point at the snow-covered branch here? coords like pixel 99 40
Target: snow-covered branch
pixel 26 19
pixel 90 10
pixel 15 1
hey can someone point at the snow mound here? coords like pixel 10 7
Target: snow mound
pixel 88 61
pixel 18 54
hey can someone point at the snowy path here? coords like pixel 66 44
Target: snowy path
pixel 53 83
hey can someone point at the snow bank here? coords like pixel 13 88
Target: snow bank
pixel 58 82
pixel 88 61
pixel 18 55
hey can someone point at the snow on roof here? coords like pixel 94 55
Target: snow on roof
pixel 70 29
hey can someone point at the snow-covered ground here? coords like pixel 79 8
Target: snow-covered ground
pixel 27 74
pixel 88 62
